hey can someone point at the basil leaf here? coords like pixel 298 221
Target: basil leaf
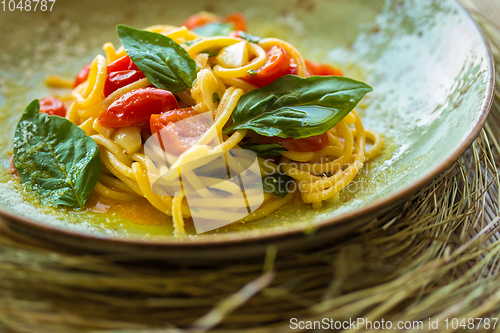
pixel 277 184
pixel 215 98
pixel 55 158
pixel 164 62
pixel 214 29
pixel 267 150
pixel 295 107
pixel 249 37
pixel 212 52
pixel 191 42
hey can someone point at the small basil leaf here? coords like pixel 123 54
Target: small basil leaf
pixel 191 42
pixel 164 62
pixel 249 37
pixel 277 184
pixel 214 29
pixel 211 52
pixel 55 158
pixel 298 107
pixel 215 98
pixel 267 150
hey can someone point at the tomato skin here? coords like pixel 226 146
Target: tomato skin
pixel 201 19
pixel 277 65
pixel 291 70
pixel 169 137
pixel 122 64
pixel 312 143
pixel 159 121
pixel 114 81
pixel 52 106
pixel 315 68
pixel 121 73
pixel 238 21
pixel 120 79
pixel 136 107
pixel 82 75
pixel 293 67
pixel 198 20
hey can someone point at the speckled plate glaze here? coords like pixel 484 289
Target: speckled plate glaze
pixel 428 63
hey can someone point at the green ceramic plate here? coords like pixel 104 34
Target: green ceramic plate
pixel 427 61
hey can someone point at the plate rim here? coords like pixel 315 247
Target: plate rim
pixel 229 239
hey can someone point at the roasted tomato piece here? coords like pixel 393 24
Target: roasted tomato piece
pixel 159 121
pixel 199 20
pixel 137 106
pixel 82 75
pixel 315 68
pixel 177 136
pixel 120 79
pixel 122 64
pixel 277 65
pixel 121 73
pixel 52 106
pixel 238 21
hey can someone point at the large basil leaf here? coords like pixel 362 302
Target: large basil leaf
pixel 298 107
pixel 277 184
pixel 214 29
pixel 54 157
pixel 164 62
pixel 267 150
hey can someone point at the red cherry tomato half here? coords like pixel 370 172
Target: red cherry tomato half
pixel 137 106
pixel 312 143
pixel 120 79
pixel 168 134
pixel 201 19
pixel 82 75
pixel 198 20
pixel 277 65
pixel 159 121
pixel 121 73
pixel 122 64
pixel 52 106
pixel 237 20
pixel 315 68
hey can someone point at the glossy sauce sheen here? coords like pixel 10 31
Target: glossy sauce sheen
pixel 139 210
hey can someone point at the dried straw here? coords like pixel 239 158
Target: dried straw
pixel 436 256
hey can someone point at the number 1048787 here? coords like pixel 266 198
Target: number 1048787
pixel 27 5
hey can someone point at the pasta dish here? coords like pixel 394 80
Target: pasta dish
pixel 185 93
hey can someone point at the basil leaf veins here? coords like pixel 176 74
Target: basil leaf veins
pixel 55 158
pixel 164 62
pixel 295 107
